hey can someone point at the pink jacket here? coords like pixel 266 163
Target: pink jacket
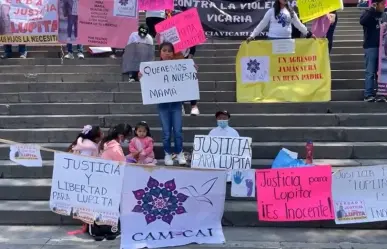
pixel 86 147
pixel 113 151
pixel 145 145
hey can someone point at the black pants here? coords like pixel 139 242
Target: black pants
pixel 151 23
pixel 330 33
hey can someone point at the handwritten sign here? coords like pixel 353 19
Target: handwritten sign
pixel 183 30
pixel 106 23
pixel 360 194
pixel 89 188
pixel 155 4
pixel 168 81
pixel 310 10
pixel 221 152
pixel 26 154
pixel 296 194
pixel 32 21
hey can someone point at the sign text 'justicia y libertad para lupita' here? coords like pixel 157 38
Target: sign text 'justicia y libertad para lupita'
pixel 295 194
pixel 86 185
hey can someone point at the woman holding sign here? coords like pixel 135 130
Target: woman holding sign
pixel 280 19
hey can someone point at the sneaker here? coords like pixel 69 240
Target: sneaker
pixel 80 56
pixel 113 56
pixel 183 110
pixel 99 238
pixel 181 158
pixel 195 111
pixel 381 98
pixel 23 56
pixel 69 56
pixel 132 80
pixel 168 160
pixel 369 99
pixel 4 56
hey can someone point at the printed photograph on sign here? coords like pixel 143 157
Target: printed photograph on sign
pixel 169 81
pixel 255 69
pixel 107 23
pixel 24 22
pixel 189 30
pixel 90 186
pixel 228 153
pixel 360 194
pixel 295 194
pixel 27 155
pixel 243 183
pixel 171 207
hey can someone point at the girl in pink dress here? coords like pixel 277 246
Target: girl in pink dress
pixel 141 146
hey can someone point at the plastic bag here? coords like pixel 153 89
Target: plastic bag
pixel 287 159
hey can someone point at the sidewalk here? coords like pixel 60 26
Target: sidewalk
pixel 25 237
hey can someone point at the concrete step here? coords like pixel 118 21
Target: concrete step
pixel 116 68
pixel 206 120
pixel 122 97
pixel 206 108
pixel 108 77
pixel 264 150
pixel 261 134
pixel 10 171
pixel 236 213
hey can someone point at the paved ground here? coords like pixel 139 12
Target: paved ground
pixel 24 237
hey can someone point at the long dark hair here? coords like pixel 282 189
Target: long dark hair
pixel 114 133
pixel 89 132
pixel 166 44
pixel 277 9
pixel 145 125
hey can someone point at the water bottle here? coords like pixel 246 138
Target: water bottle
pixel 309 152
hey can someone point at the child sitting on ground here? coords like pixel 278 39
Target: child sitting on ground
pixel 141 146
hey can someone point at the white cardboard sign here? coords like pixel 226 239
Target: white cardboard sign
pixel 168 81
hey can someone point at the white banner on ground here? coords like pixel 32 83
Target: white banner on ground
pixel 360 194
pixel 89 188
pixel 221 152
pixel 26 154
pixel 168 81
pixel 164 207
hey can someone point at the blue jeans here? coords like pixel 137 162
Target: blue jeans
pixel 171 118
pixel 72 21
pixel 371 56
pixel 8 50
pixel 70 48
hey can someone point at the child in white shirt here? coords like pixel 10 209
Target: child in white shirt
pixel 223 129
pixel 280 18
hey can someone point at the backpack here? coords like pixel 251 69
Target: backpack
pixel 99 232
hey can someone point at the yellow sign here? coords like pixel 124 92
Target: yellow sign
pixel 283 71
pixel 312 9
pixel 28 39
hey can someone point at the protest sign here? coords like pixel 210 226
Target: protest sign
pixel 155 4
pixel 282 71
pixel 134 54
pixel 309 10
pixel 295 194
pixel 89 188
pixel 26 22
pixel 360 194
pixel 229 18
pixel 243 183
pixel 107 23
pixel 382 69
pixel 221 152
pixel 168 81
pixel 183 30
pixel 26 154
pixel 164 206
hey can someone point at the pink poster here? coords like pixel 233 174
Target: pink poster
pixel 183 30
pixel 155 4
pixel 295 194
pixel 382 68
pixel 107 23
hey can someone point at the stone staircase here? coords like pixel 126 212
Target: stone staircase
pixel 45 102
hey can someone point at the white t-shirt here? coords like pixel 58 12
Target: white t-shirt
pixel 226 132
pixel 280 27
pixel 135 38
pixel 157 13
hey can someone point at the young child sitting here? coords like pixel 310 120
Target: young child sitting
pixel 141 146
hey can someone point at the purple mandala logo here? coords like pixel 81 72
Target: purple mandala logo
pixel 124 2
pixel 159 201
